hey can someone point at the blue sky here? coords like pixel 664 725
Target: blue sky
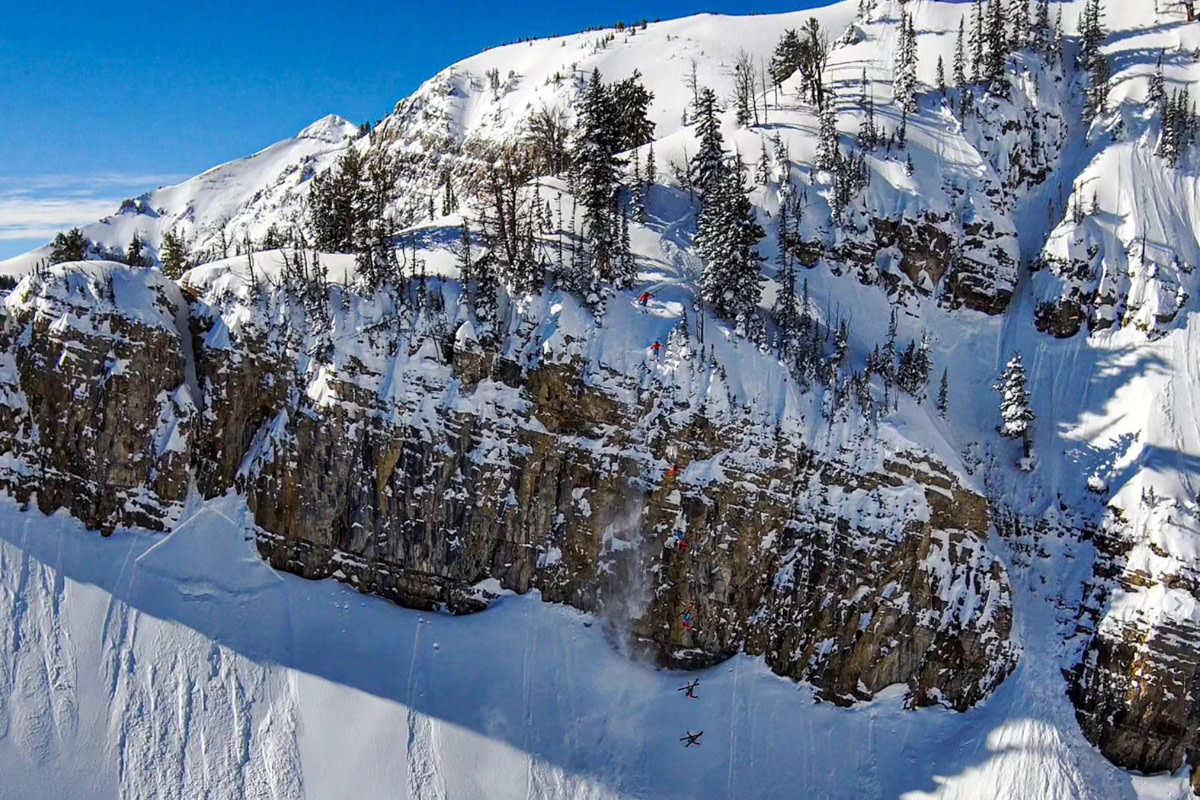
pixel 105 102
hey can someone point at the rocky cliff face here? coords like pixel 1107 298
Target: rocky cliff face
pixel 433 470
pixel 97 408
pixel 1135 689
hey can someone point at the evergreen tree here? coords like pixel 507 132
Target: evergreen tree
pixel 69 246
pixel 708 165
pixel 726 237
pixel 1043 34
pixel 134 255
pixel 943 398
pixel 631 103
pixel 762 171
pixel 905 84
pixel 814 55
pixel 995 72
pixel 273 239
pixel 1022 25
pixel 597 175
pixel 651 166
pixel 960 61
pixel 786 58
pixel 174 255
pixel 449 203
pixel 787 318
pixel 1091 33
pixel 941 77
pixel 1179 126
pixel 868 132
pixel 335 204
pixel 1099 76
pixel 1015 411
pixel 978 41
pixel 626 268
pixel 828 152
pixel 1157 97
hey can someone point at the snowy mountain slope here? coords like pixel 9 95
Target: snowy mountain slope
pixel 1095 545
pixel 182 666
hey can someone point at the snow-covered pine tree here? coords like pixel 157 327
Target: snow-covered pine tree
pixel 1178 128
pixel 448 201
pixel 651 166
pixel 1022 25
pixel 907 374
pixel 465 262
pixel 905 83
pixel 943 398
pixel 708 165
pixel 1015 411
pixel 1157 96
pixel 726 238
pixel 868 131
pixel 787 318
pixel 828 152
pixel 762 170
pixel 1059 37
pixel 941 76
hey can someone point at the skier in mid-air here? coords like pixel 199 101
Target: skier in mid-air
pixel 690 689
pixel 692 739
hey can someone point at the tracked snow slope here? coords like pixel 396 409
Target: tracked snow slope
pixel 182 666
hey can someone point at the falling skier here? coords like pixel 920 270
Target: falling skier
pixel 690 690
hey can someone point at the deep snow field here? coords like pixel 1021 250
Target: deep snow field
pixel 183 666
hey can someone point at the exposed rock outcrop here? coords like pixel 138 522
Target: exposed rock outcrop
pixel 417 464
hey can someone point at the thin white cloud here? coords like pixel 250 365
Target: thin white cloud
pixel 42 217
pixel 36 207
